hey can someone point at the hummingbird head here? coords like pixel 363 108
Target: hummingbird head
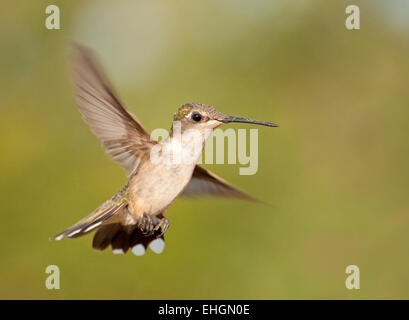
pixel 200 116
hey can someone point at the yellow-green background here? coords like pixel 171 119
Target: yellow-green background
pixel 335 172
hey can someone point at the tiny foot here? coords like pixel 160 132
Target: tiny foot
pixel 146 224
pixel 164 224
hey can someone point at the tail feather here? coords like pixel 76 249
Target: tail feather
pixel 103 236
pixel 94 219
pixel 122 238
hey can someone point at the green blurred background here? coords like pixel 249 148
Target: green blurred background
pixel 335 172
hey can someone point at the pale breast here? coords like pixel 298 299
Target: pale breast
pixel 158 186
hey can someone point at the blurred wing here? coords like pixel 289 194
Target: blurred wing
pixel 121 134
pixel 206 183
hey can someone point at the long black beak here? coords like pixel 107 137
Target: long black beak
pixel 245 120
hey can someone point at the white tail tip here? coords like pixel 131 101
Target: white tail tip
pixel 157 245
pixel 138 250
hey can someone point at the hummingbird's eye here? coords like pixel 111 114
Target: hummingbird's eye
pixel 196 117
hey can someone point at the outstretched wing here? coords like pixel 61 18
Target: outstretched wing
pixel 206 183
pixel 121 134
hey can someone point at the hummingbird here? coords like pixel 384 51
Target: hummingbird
pixel 135 217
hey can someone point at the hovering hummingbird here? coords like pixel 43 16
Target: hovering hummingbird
pixel 135 216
